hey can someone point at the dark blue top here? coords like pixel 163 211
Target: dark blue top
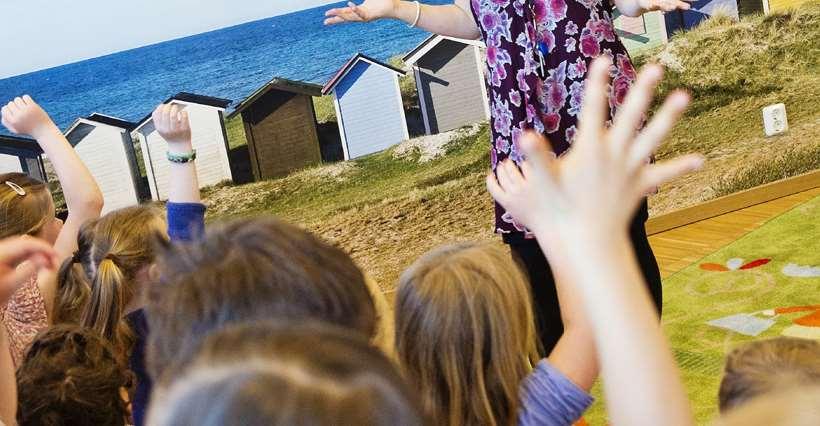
pixel 186 221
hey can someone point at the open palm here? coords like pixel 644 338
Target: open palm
pixel 368 11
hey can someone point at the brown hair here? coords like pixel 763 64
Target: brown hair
pixel 316 373
pixel 73 280
pixel 23 214
pixel 760 367
pixel 124 242
pixel 246 270
pixel 70 376
pixel 795 406
pixel 465 333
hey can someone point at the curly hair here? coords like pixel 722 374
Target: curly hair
pixel 71 376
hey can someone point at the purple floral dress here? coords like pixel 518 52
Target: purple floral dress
pixel 573 32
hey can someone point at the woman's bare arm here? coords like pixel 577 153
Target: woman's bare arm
pixel 453 20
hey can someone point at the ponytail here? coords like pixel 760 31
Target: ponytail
pixel 106 306
pixel 73 292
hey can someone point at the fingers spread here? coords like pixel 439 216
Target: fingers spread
pixel 595 110
pixel 656 130
pixel 658 174
pixel 631 113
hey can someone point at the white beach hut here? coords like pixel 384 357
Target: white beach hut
pixel 104 144
pixel 210 141
pixel 449 76
pixel 368 104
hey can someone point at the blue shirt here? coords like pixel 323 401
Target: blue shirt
pixel 549 398
pixel 186 222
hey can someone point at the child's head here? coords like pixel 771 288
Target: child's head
pixel 70 376
pixel 247 270
pixel 27 208
pixel 763 366
pixel 796 406
pixel 465 333
pixel 115 254
pixel 316 375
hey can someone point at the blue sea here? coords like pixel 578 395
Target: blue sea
pixel 229 63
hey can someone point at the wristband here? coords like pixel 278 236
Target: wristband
pixel 418 14
pixel 178 158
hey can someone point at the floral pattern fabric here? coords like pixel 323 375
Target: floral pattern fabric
pixel 574 33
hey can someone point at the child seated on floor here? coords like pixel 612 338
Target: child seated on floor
pixel 71 376
pixel 463 325
pixel 27 208
pixel 768 366
pixel 282 373
pixel 242 270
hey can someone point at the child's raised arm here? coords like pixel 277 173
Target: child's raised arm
pixel 83 197
pixel 579 208
pixel 185 209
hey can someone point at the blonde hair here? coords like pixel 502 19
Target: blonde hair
pixel 763 366
pixel 123 243
pixel 796 406
pixel 465 333
pixel 23 214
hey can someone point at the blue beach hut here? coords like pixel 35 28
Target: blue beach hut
pixel 22 155
pixel 369 106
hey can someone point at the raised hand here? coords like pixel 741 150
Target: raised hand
pixel 368 11
pixel 24 117
pixel 16 251
pixel 665 5
pixel 598 184
pixel 173 125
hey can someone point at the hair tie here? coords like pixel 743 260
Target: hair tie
pixel 16 188
pixel 76 257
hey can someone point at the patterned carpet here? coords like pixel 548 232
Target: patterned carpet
pixel 763 285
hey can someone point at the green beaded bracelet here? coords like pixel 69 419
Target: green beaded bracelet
pixel 182 158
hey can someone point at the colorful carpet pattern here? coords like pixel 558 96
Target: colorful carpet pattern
pixel 763 285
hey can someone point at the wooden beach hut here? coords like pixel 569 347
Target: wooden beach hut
pixel 104 144
pixel 21 155
pixel 280 125
pixel 369 106
pixel 449 75
pixel 210 141
pixel 641 32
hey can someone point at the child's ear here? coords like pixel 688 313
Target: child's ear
pixel 153 272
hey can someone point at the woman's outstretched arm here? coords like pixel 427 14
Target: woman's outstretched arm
pixel 453 20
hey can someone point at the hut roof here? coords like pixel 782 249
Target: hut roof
pixel 81 127
pixel 20 147
pixel 430 43
pixel 345 69
pixel 283 84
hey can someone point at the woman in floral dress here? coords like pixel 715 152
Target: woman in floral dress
pixel 537 57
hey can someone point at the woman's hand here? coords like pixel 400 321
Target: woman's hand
pixel 665 5
pixel 369 10
pixel 595 188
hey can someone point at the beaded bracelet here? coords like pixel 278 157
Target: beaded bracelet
pixel 177 158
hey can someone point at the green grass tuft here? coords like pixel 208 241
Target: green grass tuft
pixel 792 162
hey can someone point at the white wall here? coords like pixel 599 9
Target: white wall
pixel 10 163
pixel 104 154
pixel 209 142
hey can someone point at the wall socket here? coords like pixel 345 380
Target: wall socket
pixel 775 121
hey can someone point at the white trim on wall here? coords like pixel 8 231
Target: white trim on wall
pixel 401 107
pixel 425 116
pixel 340 122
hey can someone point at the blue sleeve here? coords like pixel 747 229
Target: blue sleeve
pixel 186 221
pixel 550 398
